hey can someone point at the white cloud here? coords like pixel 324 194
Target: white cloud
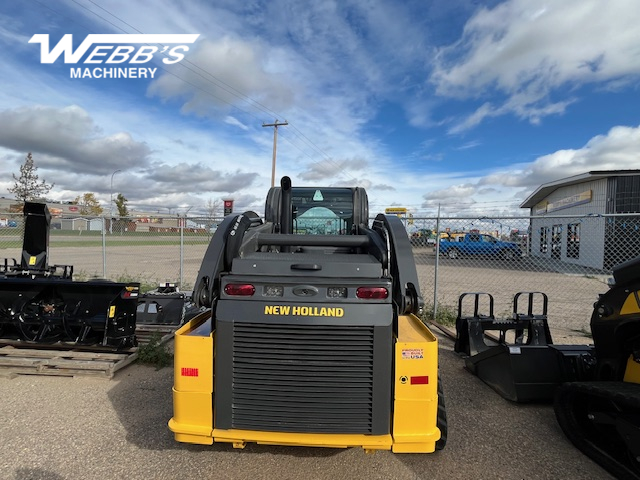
pixel 617 150
pixel 526 52
pixel 67 138
pixel 223 73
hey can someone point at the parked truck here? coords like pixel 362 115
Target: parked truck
pixel 479 244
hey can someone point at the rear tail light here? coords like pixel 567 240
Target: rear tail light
pixel 239 289
pixel 372 293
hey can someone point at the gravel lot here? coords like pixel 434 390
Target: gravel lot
pixel 58 428
pixel 88 428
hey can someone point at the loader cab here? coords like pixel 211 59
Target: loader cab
pixel 320 210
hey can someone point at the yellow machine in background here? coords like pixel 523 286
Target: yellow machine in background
pixel 310 340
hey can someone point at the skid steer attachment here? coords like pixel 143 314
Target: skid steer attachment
pixel 595 388
pixel 313 336
pixel 165 306
pixel 41 303
pixel 521 364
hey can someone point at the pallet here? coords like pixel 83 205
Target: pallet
pixel 20 358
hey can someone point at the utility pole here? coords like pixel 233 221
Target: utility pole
pixel 275 141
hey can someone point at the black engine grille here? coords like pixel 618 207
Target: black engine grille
pixel 303 378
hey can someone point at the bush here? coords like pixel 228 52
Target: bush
pixel 155 353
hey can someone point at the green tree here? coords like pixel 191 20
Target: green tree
pixel 121 205
pixel 27 186
pixel 88 204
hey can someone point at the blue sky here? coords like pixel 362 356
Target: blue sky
pixel 466 104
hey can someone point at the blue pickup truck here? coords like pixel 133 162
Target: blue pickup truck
pixel 479 244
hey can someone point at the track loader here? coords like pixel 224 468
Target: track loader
pixel 312 335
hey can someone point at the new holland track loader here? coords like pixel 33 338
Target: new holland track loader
pixel 312 336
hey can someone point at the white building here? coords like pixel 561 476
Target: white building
pixel 574 219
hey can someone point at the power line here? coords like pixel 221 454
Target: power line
pixel 234 92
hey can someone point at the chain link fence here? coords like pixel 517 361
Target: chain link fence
pixel 150 250
pixel 567 258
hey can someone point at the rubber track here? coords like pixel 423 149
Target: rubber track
pixel 442 417
pixel 569 402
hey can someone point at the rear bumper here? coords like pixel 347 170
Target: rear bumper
pixel 414 411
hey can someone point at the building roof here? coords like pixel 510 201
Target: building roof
pixel 543 191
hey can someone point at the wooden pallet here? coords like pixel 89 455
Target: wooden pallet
pixel 19 358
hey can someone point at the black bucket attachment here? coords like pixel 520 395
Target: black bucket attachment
pixel 165 306
pixel 521 363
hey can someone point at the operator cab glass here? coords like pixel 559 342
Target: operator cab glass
pixel 322 211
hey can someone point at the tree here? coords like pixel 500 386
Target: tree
pixel 120 225
pixel 121 205
pixel 88 204
pixel 26 186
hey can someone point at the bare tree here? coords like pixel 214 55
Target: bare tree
pixel 212 207
pixel 27 186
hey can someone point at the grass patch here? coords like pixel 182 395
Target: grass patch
pixel 146 285
pixel 127 242
pixel 154 353
pixel 446 314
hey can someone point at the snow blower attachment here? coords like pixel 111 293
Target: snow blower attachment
pixel 41 302
pixel 312 337
pixel 595 388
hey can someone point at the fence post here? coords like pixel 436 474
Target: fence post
pixel 181 248
pixel 435 274
pixel 104 248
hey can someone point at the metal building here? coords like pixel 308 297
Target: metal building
pixel 584 219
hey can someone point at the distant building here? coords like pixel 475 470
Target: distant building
pixel 74 224
pixel 596 241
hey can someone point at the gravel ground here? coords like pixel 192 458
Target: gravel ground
pixel 58 428
pixel 88 428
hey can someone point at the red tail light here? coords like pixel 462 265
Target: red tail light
pixel 372 293
pixel 239 289
pixel 421 380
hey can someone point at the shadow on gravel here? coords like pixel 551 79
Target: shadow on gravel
pixel 36 474
pixel 142 398
pixel 490 437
